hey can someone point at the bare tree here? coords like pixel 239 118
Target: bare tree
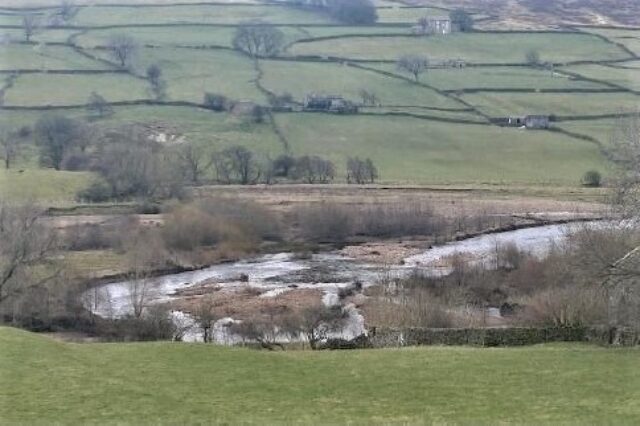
pixel 533 58
pixel 122 48
pixel 206 314
pixel 157 82
pixel 314 169
pixel 413 64
pixel 368 98
pixel 258 39
pixel 67 10
pixel 56 136
pixel 625 153
pixel 318 321
pixel 25 243
pixel 30 25
pixel 361 171
pixel 194 162
pixel 98 107
pixel 145 253
pixel 11 142
pixel 237 164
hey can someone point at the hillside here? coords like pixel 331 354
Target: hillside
pixel 546 13
pixel 45 381
pixel 443 126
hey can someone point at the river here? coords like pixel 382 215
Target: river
pixel 275 274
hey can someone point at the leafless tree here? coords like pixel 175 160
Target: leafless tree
pixel 318 321
pixel 145 253
pixel 98 107
pixel 56 135
pixel 133 165
pixel 11 142
pixel 625 153
pixel 194 162
pixel 25 243
pixel 314 169
pixel 157 82
pixel 67 10
pixel 258 39
pixel 368 98
pixel 413 64
pixel 361 171
pixel 533 58
pixel 30 25
pixel 122 48
pixel 206 314
pixel 237 165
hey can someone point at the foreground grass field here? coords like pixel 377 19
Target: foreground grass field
pixel 45 381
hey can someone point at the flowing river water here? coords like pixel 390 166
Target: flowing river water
pixel 329 272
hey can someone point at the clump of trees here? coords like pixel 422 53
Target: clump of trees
pixel 314 169
pixel 415 65
pixel 368 97
pixel 361 171
pixel 57 137
pixel 258 39
pixel 131 165
pixel 461 20
pixel 237 164
pixel 216 102
pixel 356 12
pixel 314 324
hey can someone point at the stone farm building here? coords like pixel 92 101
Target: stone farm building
pixel 433 25
pixel 528 121
pixel 329 103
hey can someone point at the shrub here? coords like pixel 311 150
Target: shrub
pixel 326 222
pixel 188 227
pixel 98 192
pixel 216 102
pixel 396 220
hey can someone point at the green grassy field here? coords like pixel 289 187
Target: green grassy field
pixel 46 382
pixel 302 78
pixel 626 75
pixel 413 150
pixel 508 104
pixel 41 57
pixel 479 48
pixel 629 38
pixel 496 77
pixel 44 185
pixel 43 89
pixel 211 14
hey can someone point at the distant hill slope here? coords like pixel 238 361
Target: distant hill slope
pixel 546 13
